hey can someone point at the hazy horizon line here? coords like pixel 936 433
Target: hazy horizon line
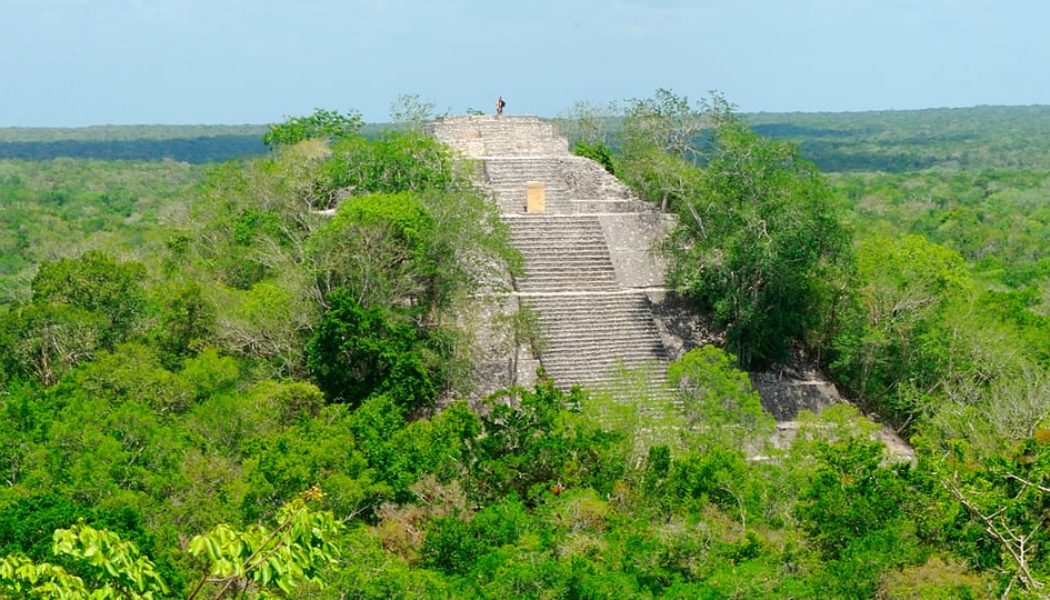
pixel 740 112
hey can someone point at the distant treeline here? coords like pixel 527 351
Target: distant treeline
pixel 191 150
pixel 1005 137
pixel 1013 137
pixel 184 143
pixel 96 133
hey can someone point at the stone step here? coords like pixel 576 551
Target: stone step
pixel 568 281
pixel 606 380
pixel 561 263
pixel 611 205
pixel 603 380
pixel 541 221
pixel 590 312
pixel 566 248
pixel 570 276
pixel 557 284
pixel 557 236
pixel 606 330
pixel 569 253
pixel 549 222
pixel 639 344
pixel 541 287
pixel 566 334
pixel 572 306
pixel 596 359
pixel 543 225
pixel 579 250
pixel 565 263
pixel 539 235
pixel 609 330
pixel 594 368
pixel 581 372
pixel 562 238
pixel 564 245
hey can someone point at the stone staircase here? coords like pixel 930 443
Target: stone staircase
pixel 595 319
pixel 590 336
pixel 563 254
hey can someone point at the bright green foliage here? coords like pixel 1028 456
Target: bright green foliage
pixel 377 247
pixel 357 352
pixel 322 124
pixel 117 570
pixel 993 510
pixel 396 162
pixel 317 453
pixel 210 374
pixel 78 306
pixel 22 578
pixel 456 546
pixel 62 207
pixel 588 122
pixel 44 340
pixel 909 283
pixel 186 322
pixel 717 397
pixel 260 561
pixel 269 321
pixel 656 151
pixel 760 241
pixel 133 373
pixel 364 556
pixel 531 441
pixel 761 245
pixel 410 236
pixel 401 452
pixel 854 511
pixel 669 123
pixel 599 152
pixel 27 524
pixel 97 283
pixel 712 474
pixel 659 148
pixel 1020 311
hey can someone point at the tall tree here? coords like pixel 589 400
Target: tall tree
pixel 760 242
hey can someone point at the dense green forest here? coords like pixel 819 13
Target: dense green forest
pixel 185 143
pixel 1007 137
pixel 63 207
pixel 209 390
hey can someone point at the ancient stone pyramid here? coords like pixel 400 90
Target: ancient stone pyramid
pixel 589 272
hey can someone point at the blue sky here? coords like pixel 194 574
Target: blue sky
pixel 83 62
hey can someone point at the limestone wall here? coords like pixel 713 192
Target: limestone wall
pixel 632 238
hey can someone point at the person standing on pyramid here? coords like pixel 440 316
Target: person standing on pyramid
pixel 499 105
